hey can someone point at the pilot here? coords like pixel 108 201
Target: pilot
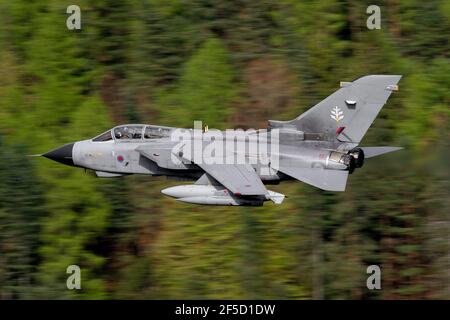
pixel 127 132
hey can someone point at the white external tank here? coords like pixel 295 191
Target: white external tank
pixel 217 195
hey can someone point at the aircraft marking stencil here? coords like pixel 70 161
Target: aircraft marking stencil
pixel 337 114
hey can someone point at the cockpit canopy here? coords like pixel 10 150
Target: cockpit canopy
pixel 128 132
pixel 134 132
pixel 156 132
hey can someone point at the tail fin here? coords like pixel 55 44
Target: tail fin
pixel 347 113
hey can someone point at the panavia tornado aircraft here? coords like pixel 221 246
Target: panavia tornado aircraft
pixel 320 148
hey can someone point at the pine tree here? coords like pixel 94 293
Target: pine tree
pixel 205 90
pixel 21 208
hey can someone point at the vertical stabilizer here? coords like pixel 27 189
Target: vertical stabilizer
pixel 348 113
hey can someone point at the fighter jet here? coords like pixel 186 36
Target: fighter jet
pixel 320 147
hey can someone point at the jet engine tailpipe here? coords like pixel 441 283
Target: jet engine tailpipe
pixel 341 161
pixel 358 155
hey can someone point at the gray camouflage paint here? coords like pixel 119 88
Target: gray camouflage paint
pixel 319 148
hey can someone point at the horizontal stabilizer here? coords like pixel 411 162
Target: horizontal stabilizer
pixel 370 152
pixel 330 180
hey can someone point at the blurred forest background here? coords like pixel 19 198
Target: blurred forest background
pixel 230 64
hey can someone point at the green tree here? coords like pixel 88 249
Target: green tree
pixel 205 90
pixel 21 208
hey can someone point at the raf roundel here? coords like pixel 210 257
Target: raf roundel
pixel 120 158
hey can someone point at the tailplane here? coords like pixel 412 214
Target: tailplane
pixel 370 152
pixel 330 180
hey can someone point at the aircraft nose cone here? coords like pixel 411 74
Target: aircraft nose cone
pixel 62 154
